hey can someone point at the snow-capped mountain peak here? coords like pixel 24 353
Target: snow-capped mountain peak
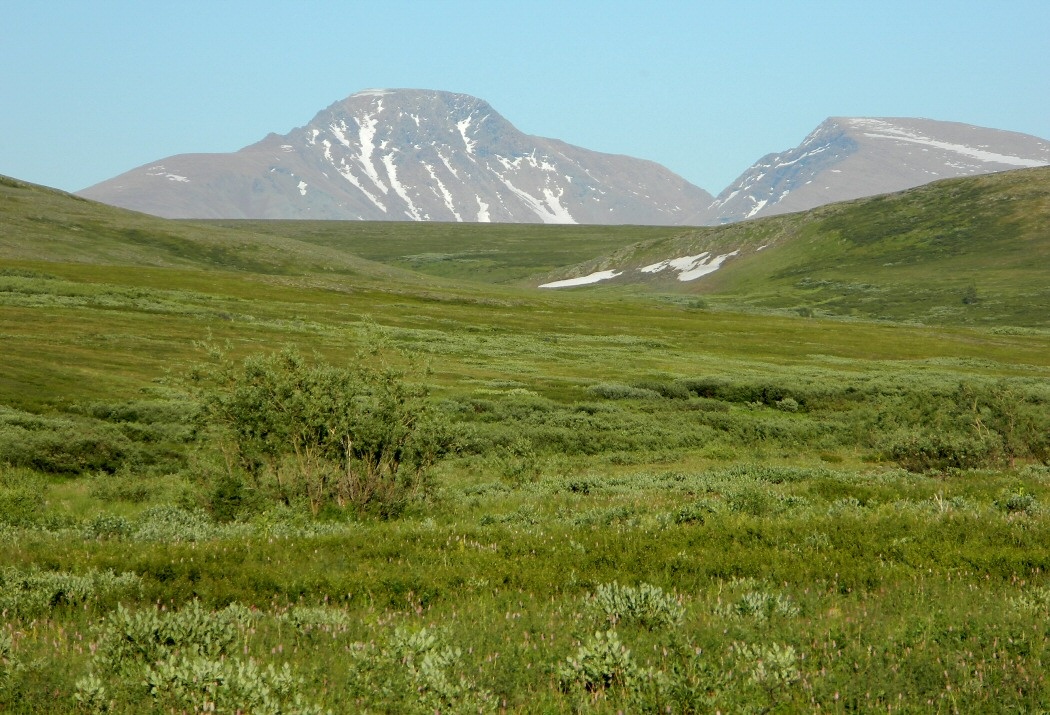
pixel 851 157
pixel 407 154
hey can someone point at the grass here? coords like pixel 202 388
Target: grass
pixel 619 463
pixel 960 251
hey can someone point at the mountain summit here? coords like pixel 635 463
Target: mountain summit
pixel 404 155
pixel 850 158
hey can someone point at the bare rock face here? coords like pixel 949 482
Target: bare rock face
pixel 403 155
pixel 850 158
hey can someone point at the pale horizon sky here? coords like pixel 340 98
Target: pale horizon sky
pixel 93 89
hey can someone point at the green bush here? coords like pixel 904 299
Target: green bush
pixel 646 605
pixel 415 671
pixel 1017 502
pixel 28 593
pixel 602 663
pixel 133 638
pixel 21 497
pixel 356 436
pixel 924 451
pixel 758 605
pixel 107 526
pixel 61 446
pixel 617 391
pixel 670 390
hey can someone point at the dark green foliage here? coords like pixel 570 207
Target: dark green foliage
pixel 61 445
pixel 614 391
pixel 228 497
pixel 976 425
pixel 669 390
pixel 21 497
pixel 355 436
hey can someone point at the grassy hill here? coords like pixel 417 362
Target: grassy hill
pixel 491 253
pixel 634 503
pixel 962 251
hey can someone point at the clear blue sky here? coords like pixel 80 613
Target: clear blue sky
pixel 90 89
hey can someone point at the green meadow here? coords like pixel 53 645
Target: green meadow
pixel 304 467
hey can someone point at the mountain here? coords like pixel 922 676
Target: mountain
pixel 402 155
pixel 849 158
pixel 965 250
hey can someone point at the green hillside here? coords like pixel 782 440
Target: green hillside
pixel 41 224
pixel 492 253
pixel 297 468
pixel 962 251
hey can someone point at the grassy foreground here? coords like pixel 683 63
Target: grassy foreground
pixel 639 505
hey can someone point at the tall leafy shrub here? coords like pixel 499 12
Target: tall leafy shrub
pixel 359 435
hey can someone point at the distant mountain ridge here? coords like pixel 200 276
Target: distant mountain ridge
pixel 852 157
pixel 408 155
pixel 427 155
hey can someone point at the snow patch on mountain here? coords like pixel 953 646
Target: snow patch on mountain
pixel 584 280
pixel 549 209
pixel 885 130
pixel 691 267
pixel 391 172
pixel 440 189
pixel 463 125
pixel 160 171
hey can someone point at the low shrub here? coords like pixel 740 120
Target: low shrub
pixel 415 671
pixel 601 663
pixel 21 497
pixel 1020 501
pixel 922 451
pixel 617 391
pixel 645 605
pixel 28 593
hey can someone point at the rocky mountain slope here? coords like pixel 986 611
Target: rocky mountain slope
pixel 849 158
pixel 404 155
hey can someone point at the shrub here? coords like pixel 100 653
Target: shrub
pixel 61 446
pixel 671 390
pixel 354 436
pixel 9 661
pixel 21 497
pixel 758 606
pixel 227 685
pixel 645 604
pixel 603 662
pixel 1018 502
pixel 133 638
pixel 183 660
pixel 617 391
pixel 32 592
pixel 925 451
pixel 167 523
pixel 122 486
pixel 416 672
pixel 107 526
pixel 696 512
pixel 772 667
pixel 519 463
pixel 309 618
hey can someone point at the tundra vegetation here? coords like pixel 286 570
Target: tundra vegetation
pixel 243 471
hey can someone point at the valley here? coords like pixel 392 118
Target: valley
pixel 814 478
